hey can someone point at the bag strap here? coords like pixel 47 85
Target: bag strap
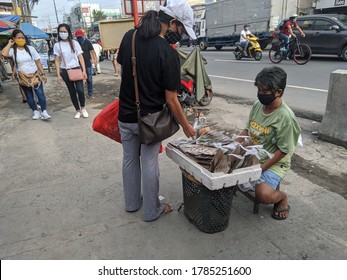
pixel 62 55
pixel 133 63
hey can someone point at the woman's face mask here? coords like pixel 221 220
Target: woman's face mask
pixel 63 35
pixel 20 42
pixel 172 37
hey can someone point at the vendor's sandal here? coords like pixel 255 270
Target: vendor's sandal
pixel 277 211
pixel 168 209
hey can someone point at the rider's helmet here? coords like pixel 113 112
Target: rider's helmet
pixel 246 26
pixel 293 16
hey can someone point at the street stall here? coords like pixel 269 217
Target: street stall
pixel 213 167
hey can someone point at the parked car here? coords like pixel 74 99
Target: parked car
pixel 325 33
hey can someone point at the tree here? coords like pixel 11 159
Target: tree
pixel 98 15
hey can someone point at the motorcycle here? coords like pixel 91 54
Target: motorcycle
pixel 188 97
pixel 253 50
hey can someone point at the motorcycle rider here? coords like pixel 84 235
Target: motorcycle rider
pixel 243 38
pixel 288 30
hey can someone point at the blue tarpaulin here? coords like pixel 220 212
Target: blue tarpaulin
pixel 33 32
pixel 11 18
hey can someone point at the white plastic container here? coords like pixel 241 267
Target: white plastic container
pixel 213 181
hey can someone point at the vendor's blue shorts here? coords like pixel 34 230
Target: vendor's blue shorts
pixel 270 178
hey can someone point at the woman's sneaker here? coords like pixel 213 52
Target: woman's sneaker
pixel 44 115
pixel 78 115
pixel 84 113
pixel 36 115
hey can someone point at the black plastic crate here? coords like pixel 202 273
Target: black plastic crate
pixel 208 210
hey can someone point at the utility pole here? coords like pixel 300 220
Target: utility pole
pixel 135 13
pixel 14 4
pixel 56 14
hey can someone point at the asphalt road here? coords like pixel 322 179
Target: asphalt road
pixel 307 85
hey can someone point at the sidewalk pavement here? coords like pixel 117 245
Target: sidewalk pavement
pixel 61 193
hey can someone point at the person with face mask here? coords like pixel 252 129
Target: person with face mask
pixel 89 57
pixel 68 55
pixel 158 74
pixel 273 125
pixel 288 31
pixel 245 33
pixel 27 60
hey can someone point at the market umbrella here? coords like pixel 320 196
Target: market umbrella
pixel 5 25
pixel 6 32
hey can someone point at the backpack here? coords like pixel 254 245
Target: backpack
pixel 282 24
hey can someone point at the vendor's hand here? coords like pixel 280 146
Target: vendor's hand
pixel 59 80
pixel 189 131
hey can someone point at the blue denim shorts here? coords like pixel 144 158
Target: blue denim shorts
pixel 270 178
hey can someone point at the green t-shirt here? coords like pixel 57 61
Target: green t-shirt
pixel 277 130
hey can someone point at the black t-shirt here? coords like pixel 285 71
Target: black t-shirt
pixel 86 48
pixel 158 69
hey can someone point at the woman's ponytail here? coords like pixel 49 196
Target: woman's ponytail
pixel 149 26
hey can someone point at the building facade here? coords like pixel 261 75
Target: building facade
pixel 81 15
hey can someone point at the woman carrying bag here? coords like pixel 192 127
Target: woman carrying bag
pixel 158 81
pixel 29 70
pixel 68 58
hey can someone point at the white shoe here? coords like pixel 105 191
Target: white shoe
pixel 45 116
pixel 84 113
pixel 36 115
pixel 78 115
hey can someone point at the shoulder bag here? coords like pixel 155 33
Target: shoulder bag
pixel 73 74
pixel 157 126
pixel 29 80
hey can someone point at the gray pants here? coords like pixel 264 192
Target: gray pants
pixel 140 161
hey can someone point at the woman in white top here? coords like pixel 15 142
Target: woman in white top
pixel 27 60
pixel 69 51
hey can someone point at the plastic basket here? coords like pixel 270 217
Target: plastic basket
pixel 208 210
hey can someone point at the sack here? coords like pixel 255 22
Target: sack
pixel 75 74
pixel 282 24
pixel 106 122
pixel 28 80
pixel 158 126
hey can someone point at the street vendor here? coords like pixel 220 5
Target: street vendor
pixel 272 124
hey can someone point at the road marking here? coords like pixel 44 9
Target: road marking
pixel 236 61
pixel 252 81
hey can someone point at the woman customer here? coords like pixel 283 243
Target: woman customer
pixel 27 61
pixel 68 55
pixel 158 72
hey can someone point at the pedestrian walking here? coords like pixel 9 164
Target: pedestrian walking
pixel 89 58
pixel 98 53
pixel 113 56
pixel 158 73
pixel 68 55
pixel 28 67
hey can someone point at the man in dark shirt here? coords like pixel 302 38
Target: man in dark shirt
pixel 89 56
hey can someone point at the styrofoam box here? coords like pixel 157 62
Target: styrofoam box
pixel 213 181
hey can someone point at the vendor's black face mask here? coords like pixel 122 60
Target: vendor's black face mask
pixel 266 99
pixel 172 37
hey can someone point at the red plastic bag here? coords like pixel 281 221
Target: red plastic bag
pixel 106 122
